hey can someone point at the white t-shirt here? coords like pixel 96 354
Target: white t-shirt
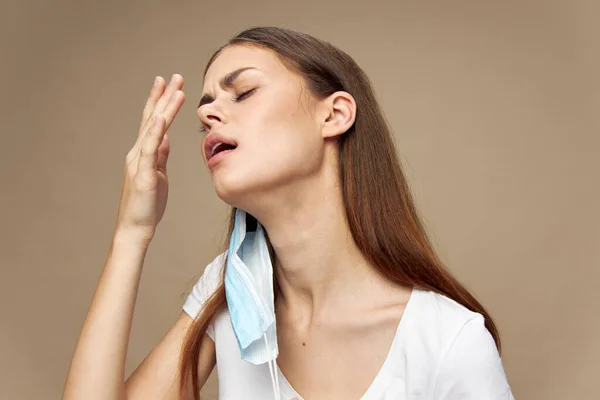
pixel 441 351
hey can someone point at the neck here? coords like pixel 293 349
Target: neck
pixel 318 265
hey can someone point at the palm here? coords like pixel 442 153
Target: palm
pixel 146 184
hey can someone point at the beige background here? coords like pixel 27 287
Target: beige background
pixel 495 106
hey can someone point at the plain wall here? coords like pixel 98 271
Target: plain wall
pixel 495 108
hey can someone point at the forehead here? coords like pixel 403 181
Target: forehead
pixel 240 56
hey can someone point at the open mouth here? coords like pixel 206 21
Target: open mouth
pixel 217 144
pixel 219 148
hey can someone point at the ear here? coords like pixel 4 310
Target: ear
pixel 339 113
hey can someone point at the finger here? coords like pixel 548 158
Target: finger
pixel 175 84
pixel 173 108
pixel 155 93
pixel 163 153
pixel 149 149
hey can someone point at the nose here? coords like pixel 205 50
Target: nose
pixel 209 115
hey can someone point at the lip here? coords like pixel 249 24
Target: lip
pixel 217 157
pixel 212 139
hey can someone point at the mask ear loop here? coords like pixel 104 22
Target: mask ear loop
pixel 276 377
pixel 273 372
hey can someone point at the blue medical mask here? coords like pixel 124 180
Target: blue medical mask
pixel 250 299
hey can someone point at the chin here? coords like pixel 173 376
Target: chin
pixel 233 189
pixel 244 190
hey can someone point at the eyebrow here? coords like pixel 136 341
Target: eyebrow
pixel 226 82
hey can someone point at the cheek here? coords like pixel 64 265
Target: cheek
pixel 276 158
pixel 292 145
pixel 283 158
pixel 281 145
pixel 286 139
pixel 301 153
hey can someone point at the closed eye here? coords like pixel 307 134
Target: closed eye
pixel 237 98
pixel 243 95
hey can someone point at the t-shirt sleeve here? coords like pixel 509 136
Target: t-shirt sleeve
pixel 471 368
pixel 203 289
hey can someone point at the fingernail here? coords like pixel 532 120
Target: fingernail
pixel 172 77
pixel 155 80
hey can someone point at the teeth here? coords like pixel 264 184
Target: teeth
pixel 212 151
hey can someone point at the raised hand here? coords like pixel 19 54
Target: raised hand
pixel 145 186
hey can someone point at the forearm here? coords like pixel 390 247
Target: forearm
pixel 97 370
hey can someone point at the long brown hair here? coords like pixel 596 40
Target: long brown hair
pixel 378 203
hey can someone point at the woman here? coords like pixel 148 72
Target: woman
pixel 329 288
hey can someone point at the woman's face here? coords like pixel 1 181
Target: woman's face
pixel 267 112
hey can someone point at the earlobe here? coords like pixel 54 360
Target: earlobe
pixel 341 114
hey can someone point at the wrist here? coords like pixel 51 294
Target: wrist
pixel 132 236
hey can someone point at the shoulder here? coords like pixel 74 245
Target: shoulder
pixel 432 322
pixel 206 285
pixel 437 321
pixel 441 316
pixel 466 361
pixel 471 368
pixel 214 269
